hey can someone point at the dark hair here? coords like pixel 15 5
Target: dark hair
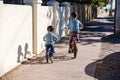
pixel 74 14
pixel 50 28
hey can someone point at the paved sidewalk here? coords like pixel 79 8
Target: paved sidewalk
pixel 64 67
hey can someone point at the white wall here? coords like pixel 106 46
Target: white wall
pixel 62 20
pixel 45 18
pixel 1 2
pixel 16 31
pixel 15 35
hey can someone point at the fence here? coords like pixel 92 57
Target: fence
pixel 86 13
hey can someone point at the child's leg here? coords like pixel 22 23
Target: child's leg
pixel 78 39
pixel 77 36
pixel 70 41
pixel 47 52
pixel 52 52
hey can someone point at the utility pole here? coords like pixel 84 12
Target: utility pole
pixel 1 1
pixel 117 19
pixel 34 4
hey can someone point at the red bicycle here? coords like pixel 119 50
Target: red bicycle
pixel 73 46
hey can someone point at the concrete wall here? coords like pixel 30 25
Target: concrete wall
pixel 44 18
pixel 48 16
pixel 62 18
pixel 1 2
pixel 15 35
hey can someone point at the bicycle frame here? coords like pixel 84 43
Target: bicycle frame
pixel 73 45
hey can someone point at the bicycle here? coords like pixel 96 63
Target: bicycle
pixel 50 39
pixel 73 46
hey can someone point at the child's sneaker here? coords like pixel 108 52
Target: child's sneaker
pixel 69 51
pixel 47 61
pixel 51 59
pixel 78 40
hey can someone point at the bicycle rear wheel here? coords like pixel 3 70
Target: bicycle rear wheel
pixel 75 50
pixel 47 56
pixel 75 53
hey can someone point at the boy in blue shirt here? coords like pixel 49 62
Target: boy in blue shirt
pixel 74 25
pixel 50 39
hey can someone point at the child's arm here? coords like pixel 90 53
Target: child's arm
pixel 56 38
pixel 80 25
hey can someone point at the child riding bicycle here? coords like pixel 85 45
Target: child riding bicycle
pixel 74 25
pixel 50 39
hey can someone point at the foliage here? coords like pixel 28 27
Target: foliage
pixel 7 1
pixel 93 2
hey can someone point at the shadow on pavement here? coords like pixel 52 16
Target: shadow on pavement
pixel 107 68
pixel 91 34
pixel 62 58
pixel 96 23
pixel 114 39
pixel 86 41
pixel 102 24
pixel 41 60
pixel 89 41
pixel 99 29
pixel 34 60
pixel 107 17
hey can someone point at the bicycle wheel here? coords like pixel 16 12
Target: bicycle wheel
pixel 47 56
pixel 75 51
pixel 75 54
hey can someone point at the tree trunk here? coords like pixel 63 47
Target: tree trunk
pixel 110 12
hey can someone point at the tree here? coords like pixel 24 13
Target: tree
pixel 7 1
pixel 107 1
pixel 93 2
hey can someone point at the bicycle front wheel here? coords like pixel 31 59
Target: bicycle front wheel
pixel 75 53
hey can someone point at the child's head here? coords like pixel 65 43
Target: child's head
pixel 50 28
pixel 74 14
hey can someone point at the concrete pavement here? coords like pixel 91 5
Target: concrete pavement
pixel 64 67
